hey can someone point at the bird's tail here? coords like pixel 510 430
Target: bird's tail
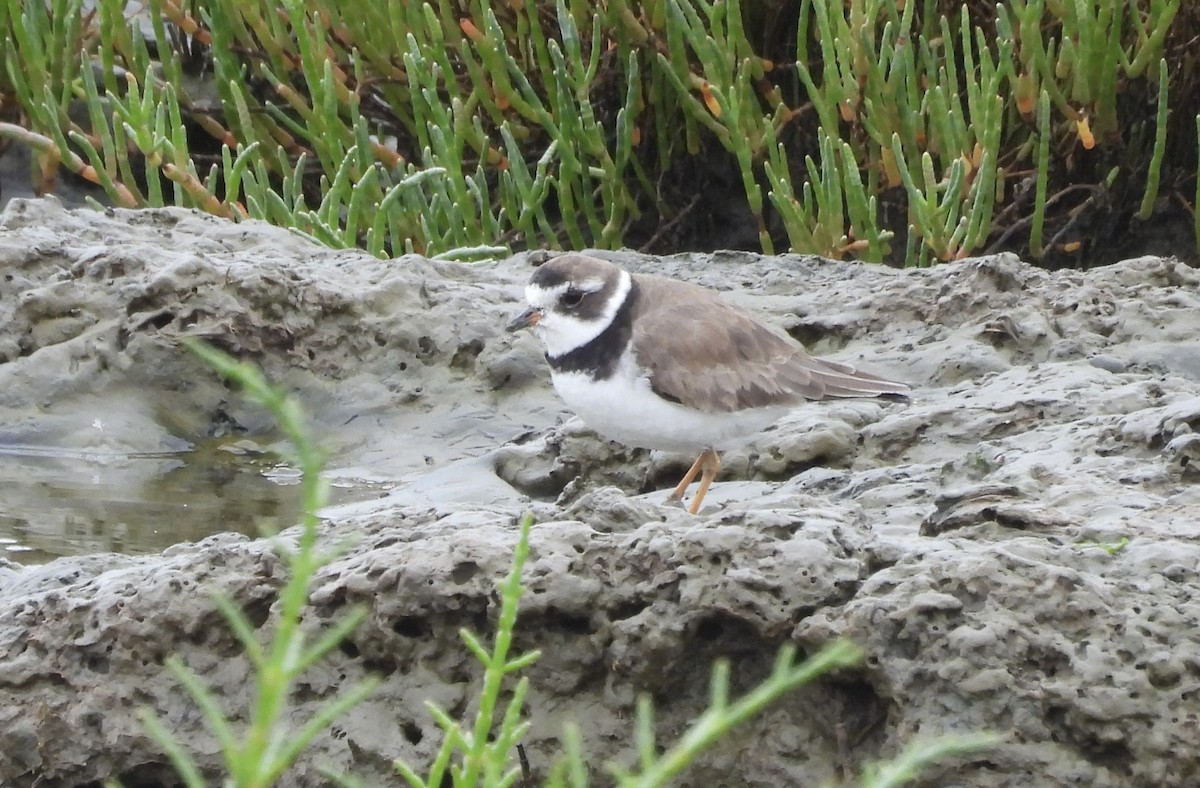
pixel 843 380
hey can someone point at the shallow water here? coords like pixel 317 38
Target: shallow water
pixel 58 502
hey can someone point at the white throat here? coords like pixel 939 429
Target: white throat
pixel 560 331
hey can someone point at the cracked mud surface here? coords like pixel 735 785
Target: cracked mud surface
pixel 959 538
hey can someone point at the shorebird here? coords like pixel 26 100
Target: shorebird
pixel 657 363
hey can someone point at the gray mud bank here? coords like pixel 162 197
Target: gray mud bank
pixel 968 540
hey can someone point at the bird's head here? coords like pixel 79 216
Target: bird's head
pixel 571 300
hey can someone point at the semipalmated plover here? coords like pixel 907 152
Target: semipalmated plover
pixel 657 363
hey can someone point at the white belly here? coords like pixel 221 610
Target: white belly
pixel 624 409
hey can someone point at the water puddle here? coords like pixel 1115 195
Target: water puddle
pixel 58 502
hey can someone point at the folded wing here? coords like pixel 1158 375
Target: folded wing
pixel 707 355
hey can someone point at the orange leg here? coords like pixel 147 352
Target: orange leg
pixel 711 462
pixel 688 478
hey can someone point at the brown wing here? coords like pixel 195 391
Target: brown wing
pixel 704 353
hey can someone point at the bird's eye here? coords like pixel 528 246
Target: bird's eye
pixel 571 298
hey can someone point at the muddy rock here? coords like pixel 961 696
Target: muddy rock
pixel 1015 548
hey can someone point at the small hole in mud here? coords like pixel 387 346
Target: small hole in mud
pixel 146 774
pixel 348 648
pixel 96 664
pixel 464 571
pixel 162 319
pixel 382 667
pixel 628 609
pixel 466 353
pixel 403 366
pixel 569 622
pixel 411 627
pixel 710 629
pixel 258 612
pixel 412 732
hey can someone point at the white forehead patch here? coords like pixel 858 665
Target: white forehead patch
pixel 542 297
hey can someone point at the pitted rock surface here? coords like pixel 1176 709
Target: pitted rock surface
pixel 1015 548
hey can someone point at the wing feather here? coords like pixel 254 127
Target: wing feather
pixel 704 353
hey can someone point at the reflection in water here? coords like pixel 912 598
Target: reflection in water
pixel 66 503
